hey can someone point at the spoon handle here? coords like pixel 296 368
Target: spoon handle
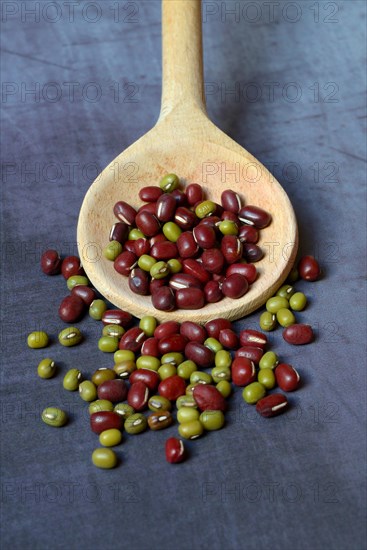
pixel 182 58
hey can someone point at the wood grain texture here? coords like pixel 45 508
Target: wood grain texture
pixel 186 142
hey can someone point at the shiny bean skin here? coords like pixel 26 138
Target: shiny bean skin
pixel 287 377
pixel 112 390
pixel 250 337
pixel 164 250
pixel 252 252
pixel 124 212
pixel 86 293
pixel 213 260
pixel 235 286
pixel 119 232
pixel 132 339
pixel 165 207
pixel 164 299
pixel 193 332
pixel 309 269
pixel 172 388
pixel 190 298
pixel 231 248
pixel 231 201
pixel 70 266
pixel 253 215
pixel 194 193
pixel 185 218
pixel 150 347
pixel 51 262
pixel 199 354
pixel 213 292
pixel 228 338
pixel 204 236
pixel 141 247
pixel 150 193
pixel 71 309
pixel 138 396
pixel 214 327
pixel 209 398
pixel 248 271
pixel 298 334
pixel 173 342
pixel 139 281
pixel 117 317
pixel 243 371
pixel 186 245
pixel 105 420
pixel 166 329
pixel 248 234
pixel 250 352
pixel 272 405
pixel 125 262
pixel 174 450
pixel 183 280
pixel 147 223
pixel 149 377
pixel 192 267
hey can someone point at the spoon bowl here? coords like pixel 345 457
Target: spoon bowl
pixel 185 142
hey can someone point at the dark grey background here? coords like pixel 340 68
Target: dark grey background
pixel 296 481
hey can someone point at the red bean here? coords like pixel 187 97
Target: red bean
pixel 231 201
pixel 271 405
pixel 235 286
pixel 155 284
pixel 125 262
pixel 166 207
pixel 112 390
pixel 164 299
pixel 180 197
pixel 149 207
pixel 214 327
pixel 248 234
pixel 150 347
pixel 165 250
pixel 231 248
pixel 213 260
pixel 183 280
pixel 204 236
pixel 193 267
pixel 141 246
pixel 132 339
pixel 147 223
pixel 105 420
pixel 86 293
pixel 194 193
pixel 250 352
pixel 117 317
pixel 172 343
pixel 193 332
pixel 253 215
pixel 138 396
pixel 185 218
pixel 252 252
pixel 287 377
pixel 186 245
pixel 227 215
pixel 159 238
pixel 119 232
pixel 172 387
pixel 149 377
pixel 174 450
pixel 129 246
pixel 190 298
pixel 51 262
pixel 150 193
pixel 250 337
pixel 124 212
pixel 208 398
pixel 71 266
pixel 71 309
pixel 247 270
pixel 139 281
pixel 228 338
pixel 298 334
pixel 309 269
pixel 243 371
pixel 213 292
pixel 200 354
pixel 166 329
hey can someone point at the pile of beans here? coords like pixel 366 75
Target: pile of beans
pixel 169 371
pixel 183 250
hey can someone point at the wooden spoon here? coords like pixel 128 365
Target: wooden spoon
pixel 184 141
